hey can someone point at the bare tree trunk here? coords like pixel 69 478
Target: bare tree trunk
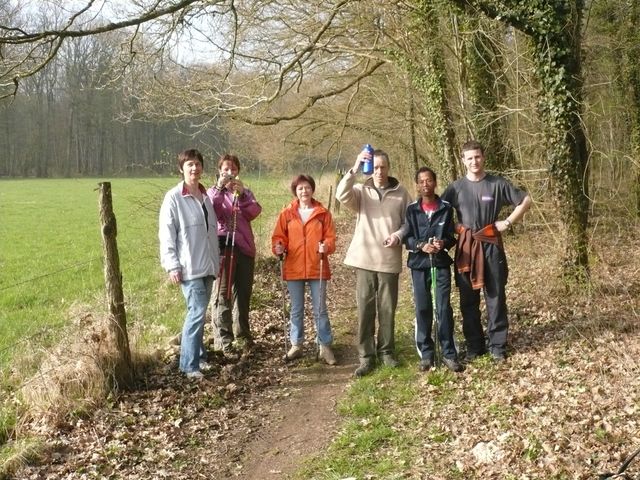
pixel 411 121
pixel 483 70
pixel 631 76
pixel 123 370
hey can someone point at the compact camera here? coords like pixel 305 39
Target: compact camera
pixel 228 176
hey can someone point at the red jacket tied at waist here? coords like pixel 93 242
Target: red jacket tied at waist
pixel 469 255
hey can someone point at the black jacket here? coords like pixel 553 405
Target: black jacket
pixel 419 228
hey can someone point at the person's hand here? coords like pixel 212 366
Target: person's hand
pixel 433 247
pixel 175 276
pixel 223 181
pixel 391 241
pixel 502 225
pixel 236 186
pixel 362 156
pixel 279 248
pixel 320 247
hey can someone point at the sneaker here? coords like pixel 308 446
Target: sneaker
pixel 452 364
pixel 294 352
pixel 327 355
pixel 389 361
pixel 197 375
pixel 425 364
pixel 365 368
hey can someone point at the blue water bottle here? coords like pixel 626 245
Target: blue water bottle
pixel 367 165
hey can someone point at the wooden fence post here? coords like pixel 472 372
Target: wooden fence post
pixel 123 370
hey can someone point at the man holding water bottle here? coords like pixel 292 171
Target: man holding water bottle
pixel 376 254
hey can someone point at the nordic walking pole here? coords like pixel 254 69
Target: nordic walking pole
pixel 223 270
pixel 436 343
pixel 321 252
pixel 285 320
pixel 234 227
pixel 223 259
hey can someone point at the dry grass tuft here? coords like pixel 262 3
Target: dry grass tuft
pixel 74 377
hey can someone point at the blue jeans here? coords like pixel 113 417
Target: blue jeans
pixel 320 315
pixel 197 293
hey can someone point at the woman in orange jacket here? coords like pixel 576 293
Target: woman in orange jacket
pixel 305 235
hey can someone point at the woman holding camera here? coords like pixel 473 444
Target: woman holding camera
pixel 305 234
pixel 235 206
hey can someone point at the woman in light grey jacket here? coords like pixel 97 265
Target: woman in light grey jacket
pixel 189 254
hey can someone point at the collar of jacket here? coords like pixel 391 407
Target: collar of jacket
pixel 392 185
pixel 292 209
pixel 441 203
pixel 185 190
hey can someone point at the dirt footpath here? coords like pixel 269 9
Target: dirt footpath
pixel 303 424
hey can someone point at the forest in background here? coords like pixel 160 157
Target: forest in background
pixel 552 88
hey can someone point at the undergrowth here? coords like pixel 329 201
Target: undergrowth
pixel 561 407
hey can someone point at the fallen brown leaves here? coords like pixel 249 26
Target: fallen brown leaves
pixel 566 405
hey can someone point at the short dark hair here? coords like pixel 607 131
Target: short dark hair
pixel 190 154
pixel 426 169
pixel 229 158
pixel 472 145
pixel 383 154
pixel 302 178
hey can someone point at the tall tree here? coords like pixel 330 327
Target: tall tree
pixel 425 64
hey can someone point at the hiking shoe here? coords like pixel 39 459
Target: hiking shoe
pixel 389 361
pixel 196 375
pixel 452 364
pixel 230 353
pixel 205 366
pixel 365 368
pixel 498 357
pixel 425 364
pixel 327 355
pixel 294 352
pixel 473 354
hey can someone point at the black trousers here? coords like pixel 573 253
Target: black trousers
pixel 231 300
pixel 421 280
pixel 495 279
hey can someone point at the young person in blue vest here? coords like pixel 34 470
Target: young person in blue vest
pixel 429 236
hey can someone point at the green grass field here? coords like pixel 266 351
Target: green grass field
pixel 51 255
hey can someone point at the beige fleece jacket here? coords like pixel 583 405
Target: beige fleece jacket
pixel 377 217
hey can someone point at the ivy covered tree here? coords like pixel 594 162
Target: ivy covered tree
pixel 554 27
pixel 425 64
